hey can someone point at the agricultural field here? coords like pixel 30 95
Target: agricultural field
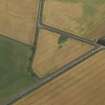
pixel 18 18
pixel 83 85
pixel 30 52
pixel 81 17
pixel 54 51
pixel 15 75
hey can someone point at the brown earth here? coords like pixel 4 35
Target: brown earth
pixel 50 56
pixel 17 19
pixel 83 85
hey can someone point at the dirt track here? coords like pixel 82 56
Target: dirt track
pixel 84 84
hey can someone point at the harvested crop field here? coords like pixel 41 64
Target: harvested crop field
pixel 80 17
pixel 83 85
pixel 17 19
pixel 54 51
pixel 15 76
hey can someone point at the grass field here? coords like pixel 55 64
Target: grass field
pixel 14 64
pixel 82 85
pixel 81 17
pixel 54 51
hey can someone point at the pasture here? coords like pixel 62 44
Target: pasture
pixel 15 75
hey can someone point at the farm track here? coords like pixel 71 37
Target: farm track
pixel 78 85
pixel 42 81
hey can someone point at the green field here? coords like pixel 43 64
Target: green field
pixel 14 63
